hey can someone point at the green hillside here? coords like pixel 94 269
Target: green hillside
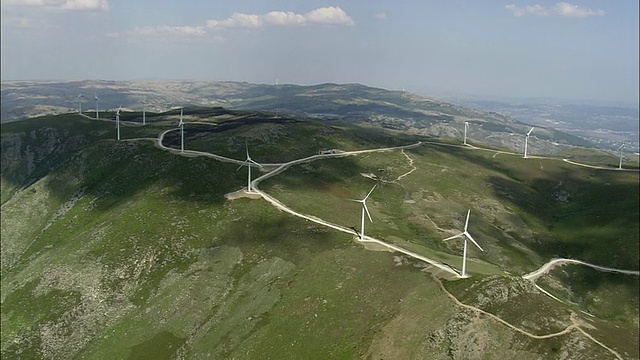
pixel 123 250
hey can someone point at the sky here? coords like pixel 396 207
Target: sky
pixel 583 50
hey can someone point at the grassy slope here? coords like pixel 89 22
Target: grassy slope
pixel 151 243
pixel 547 206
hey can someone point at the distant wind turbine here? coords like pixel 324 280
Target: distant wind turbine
pixel 97 99
pixel 620 148
pixel 181 125
pixel 364 209
pixel 466 236
pixel 143 111
pixel 79 98
pixel 248 163
pixel 526 142
pixel 118 122
pixel 466 126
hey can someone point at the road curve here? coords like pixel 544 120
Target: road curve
pixel 275 202
pixel 559 262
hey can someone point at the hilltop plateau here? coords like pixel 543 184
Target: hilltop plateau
pixel 132 248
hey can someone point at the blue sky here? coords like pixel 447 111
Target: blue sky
pixel 569 50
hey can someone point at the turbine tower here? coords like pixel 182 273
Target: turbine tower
pixel 466 236
pixel 143 112
pixel 620 148
pixel 526 142
pixel 466 126
pixel 364 209
pixel 181 125
pixel 248 162
pixel 97 99
pixel 79 98
pixel 118 122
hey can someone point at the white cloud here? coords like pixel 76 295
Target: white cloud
pixel 382 16
pixel 566 9
pixel 559 9
pixel 331 15
pixel 86 5
pixel 321 16
pixel 90 5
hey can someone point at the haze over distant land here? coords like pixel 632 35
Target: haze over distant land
pixel 586 50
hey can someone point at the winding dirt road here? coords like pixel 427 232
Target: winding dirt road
pixel 559 262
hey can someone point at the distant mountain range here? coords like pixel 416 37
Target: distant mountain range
pixel 354 103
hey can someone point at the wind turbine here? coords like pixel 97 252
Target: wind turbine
pixel 248 162
pixel 181 125
pixel 466 236
pixel 97 99
pixel 79 98
pixel 620 148
pixel 118 122
pixel 143 112
pixel 466 126
pixel 365 209
pixel 526 141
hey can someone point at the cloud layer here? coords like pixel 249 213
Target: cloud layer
pixel 90 5
pixel 331 15
pixel 559 9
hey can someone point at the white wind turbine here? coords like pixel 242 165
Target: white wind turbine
pixel 365 209
pixel 79 98
pixel 97 99
pixel 144 102
pixel 181 125
pixel 466 126
pixel 248 163
pixel 526 142
pixel 620 148
pixel 118 122
pixel 466 236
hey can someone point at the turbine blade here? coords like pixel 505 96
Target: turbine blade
pixel 251 161
pixel 364 204
pixel 473 241
pixel 354 200
pixel 466 224
pixel 370 191
pixel 529 133
pixel 453 237
pixel 240 167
